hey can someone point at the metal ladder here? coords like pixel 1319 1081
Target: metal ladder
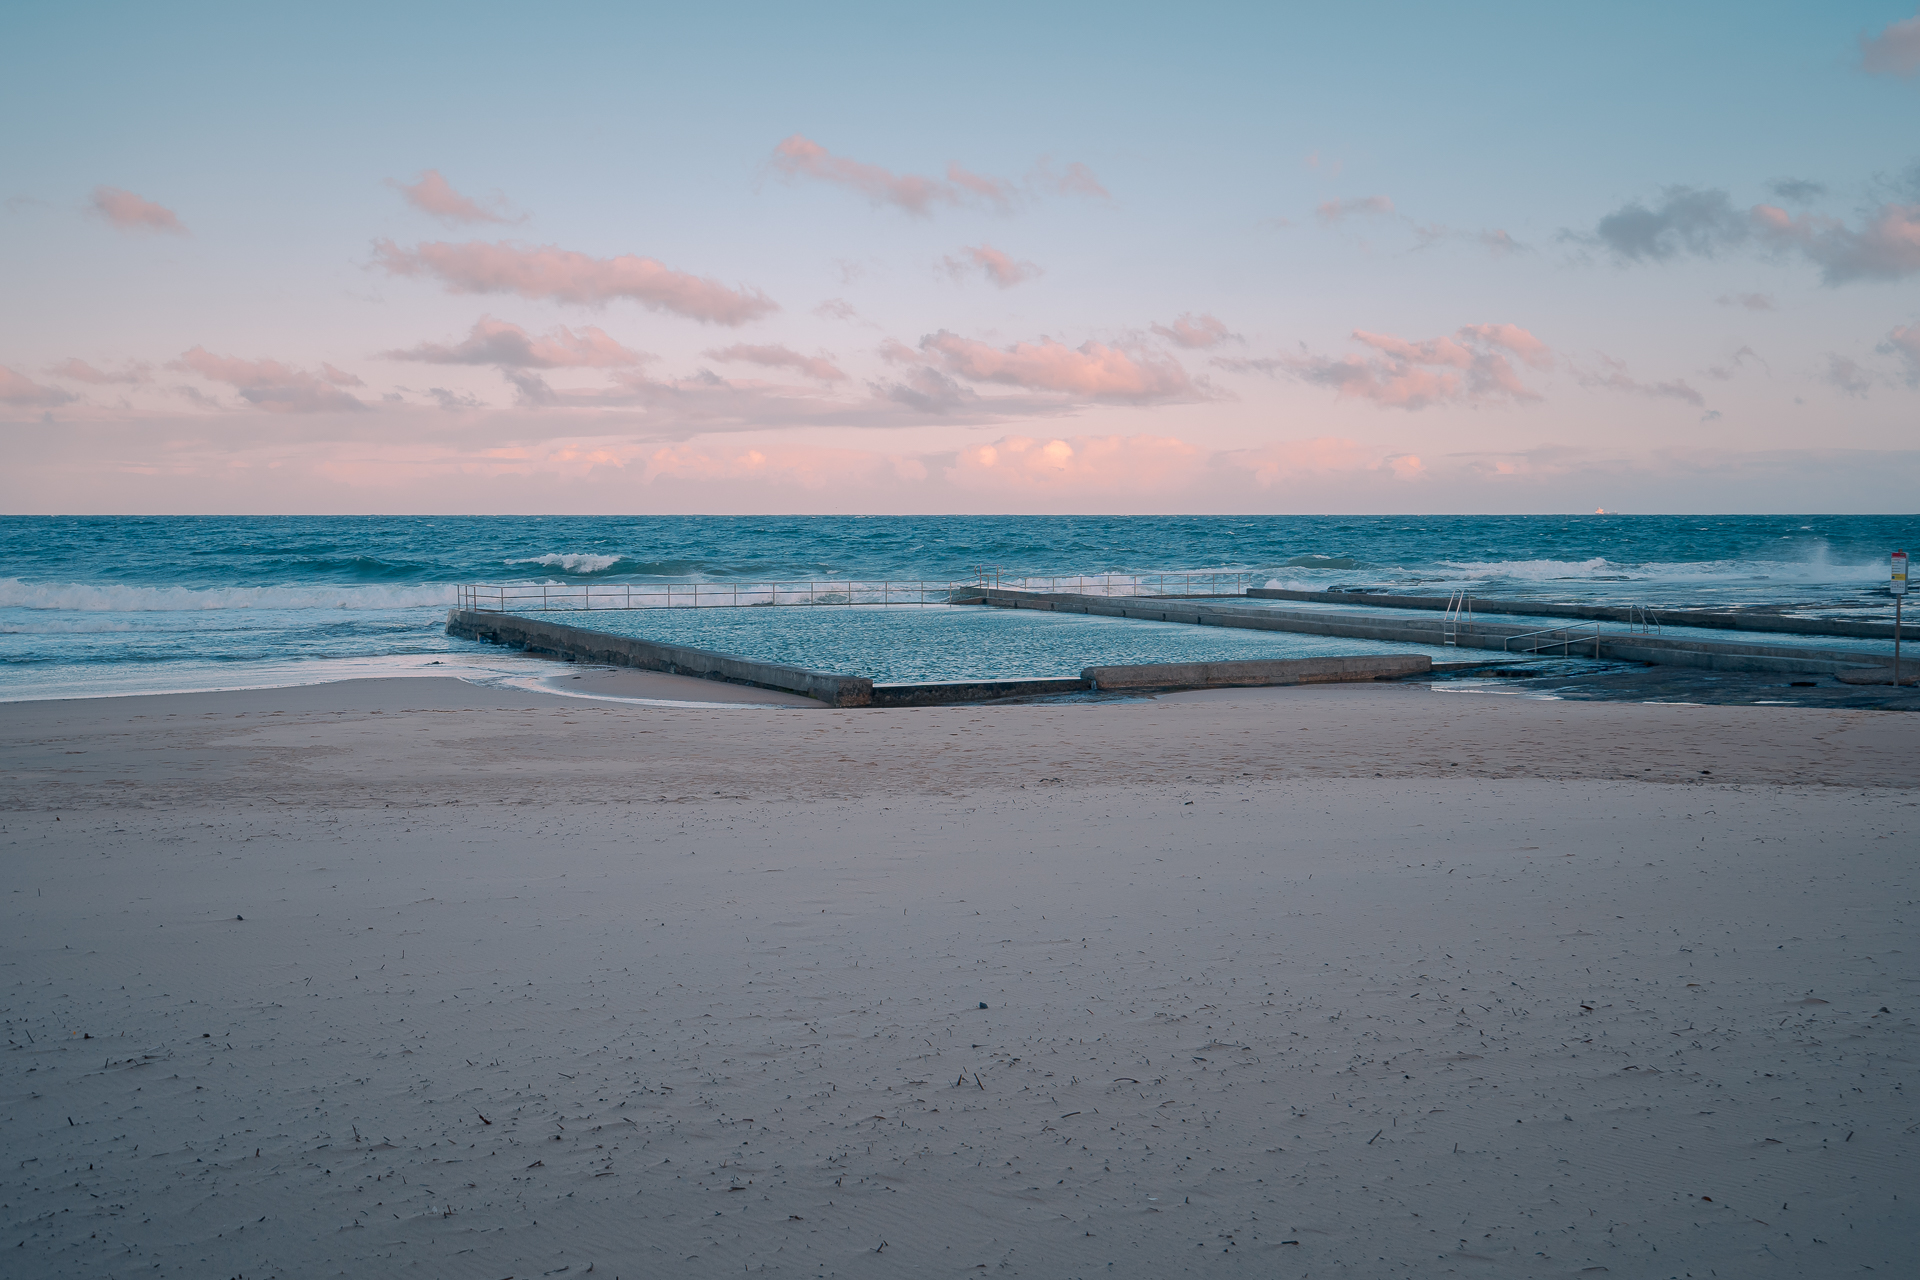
pixel 1459 609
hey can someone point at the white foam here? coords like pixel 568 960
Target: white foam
pixel 581 563
pixel 127 598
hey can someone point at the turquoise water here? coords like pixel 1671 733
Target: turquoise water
pixel 960 642
pixel 102 604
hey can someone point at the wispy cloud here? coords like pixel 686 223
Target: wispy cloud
pixel 996 266
pixel 80 371
pixel 1906 341
pixel 18 389
pixel 498 342
pixel 1613 376
pixel 1473 366
pixel 779 357
pixel 1093 370
pixel 1894 52
pixel 130 212
pixel 1798 190
pixel 560 275
pixel 433 194
pixel 1196 332
pixel 800 157
pixel 276 387
pixel 1751 301
pixel 1847 376
pixel 1333 212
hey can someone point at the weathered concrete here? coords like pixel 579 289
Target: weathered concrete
pixel 942 693
pixel 577 644
pixel 1676 617
pixel 1258 672
pixel 1583 642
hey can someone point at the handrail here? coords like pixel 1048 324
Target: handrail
pixel 1566 634
pixel 886 593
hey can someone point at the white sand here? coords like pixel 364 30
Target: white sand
pixel 714 978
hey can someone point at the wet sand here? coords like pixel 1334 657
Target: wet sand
pixel 1322 981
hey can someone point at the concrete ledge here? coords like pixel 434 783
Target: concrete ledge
pixel 1263 671
pixel 1713 655
pixel 577 644
pixel 1675 617
pixel 935 694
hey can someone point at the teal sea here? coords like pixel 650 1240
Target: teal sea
pixel 92 605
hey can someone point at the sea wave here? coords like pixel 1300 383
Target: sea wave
pixel 573 563
pixel 86 597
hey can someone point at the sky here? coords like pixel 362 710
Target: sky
pixel 1277 258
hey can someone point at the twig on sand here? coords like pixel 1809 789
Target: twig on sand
pixel 1370 1140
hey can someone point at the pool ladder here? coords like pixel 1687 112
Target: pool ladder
pixel 1459 609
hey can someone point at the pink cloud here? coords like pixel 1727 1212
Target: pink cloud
pixel 781 357
pixel 1122 463
pixel 995 190
pixel 18 389
pixel 801 157
pixel 81 371
pixel 1471 367
pixel 1093 369
pixel 1337 211
pixel 497 342
pixel 1894 52
pixel 560 275
pixel 1887 248
pixel 275 387
pixel 433 194
pixel 1196 333
pixel 993 264
pixel 1614 377
pixel 129 212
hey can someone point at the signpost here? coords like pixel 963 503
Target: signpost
pixel 1899 588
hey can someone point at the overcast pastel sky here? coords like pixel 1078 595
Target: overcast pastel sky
pixel 893 258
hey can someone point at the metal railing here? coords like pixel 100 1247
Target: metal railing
pixel 1174 585
pixel 529 597
pixel 1641 618
pixel 1459 609
pixel 1565 638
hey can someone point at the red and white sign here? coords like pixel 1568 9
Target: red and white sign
pixel 1899 573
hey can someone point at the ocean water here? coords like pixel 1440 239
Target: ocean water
pixel 92 605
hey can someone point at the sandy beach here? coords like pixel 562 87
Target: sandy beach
pixel 1333 981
